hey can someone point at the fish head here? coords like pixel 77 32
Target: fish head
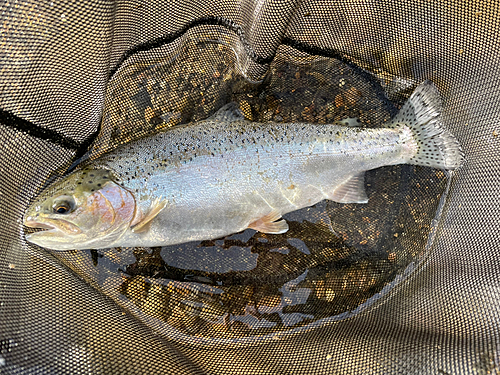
pixel 87 209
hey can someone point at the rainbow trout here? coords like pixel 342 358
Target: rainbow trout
pixel 225 174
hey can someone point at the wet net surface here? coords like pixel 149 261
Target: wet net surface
pixel 335 260
pixel 403 283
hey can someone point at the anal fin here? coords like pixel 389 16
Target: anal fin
pixel 156 206
pixel 272 223
pixel 351 191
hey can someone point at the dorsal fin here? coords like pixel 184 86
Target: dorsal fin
pixel 228 113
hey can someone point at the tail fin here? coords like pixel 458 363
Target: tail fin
pixel 437 147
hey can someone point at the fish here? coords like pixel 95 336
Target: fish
pixel 212 178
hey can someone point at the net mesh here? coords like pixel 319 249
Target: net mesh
pixel 405 284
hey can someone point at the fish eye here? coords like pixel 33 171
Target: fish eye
pixel 63 206
pixel 61 209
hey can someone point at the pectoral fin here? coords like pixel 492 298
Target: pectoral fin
pixel 272 223
pixel 351 191
pixel 143 225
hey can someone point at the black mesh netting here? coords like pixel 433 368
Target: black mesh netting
pixel 407 283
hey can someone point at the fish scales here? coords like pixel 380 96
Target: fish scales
pixel 204 177
pixel 225 174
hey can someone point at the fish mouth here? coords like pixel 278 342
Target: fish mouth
pixel 53 226
pixel 59 235
pixel 38 225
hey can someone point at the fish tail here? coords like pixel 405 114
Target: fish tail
pixel 437 147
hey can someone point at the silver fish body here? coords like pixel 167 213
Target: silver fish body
pixel 225 174
pixel 218 178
